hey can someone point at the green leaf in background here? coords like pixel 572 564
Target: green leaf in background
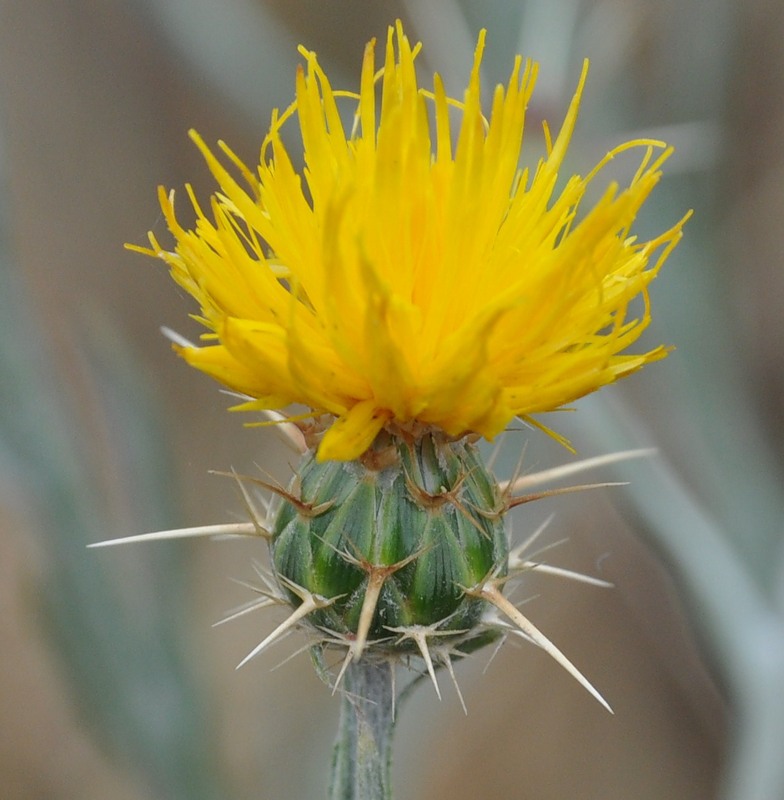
pixel 119 630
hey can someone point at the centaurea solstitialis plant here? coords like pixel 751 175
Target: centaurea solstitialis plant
pixel 415 294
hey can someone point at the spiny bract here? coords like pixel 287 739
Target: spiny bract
pixel 398 538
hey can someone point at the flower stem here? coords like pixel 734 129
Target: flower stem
pixel 363 751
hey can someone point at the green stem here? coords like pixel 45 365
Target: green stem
pixel 363 751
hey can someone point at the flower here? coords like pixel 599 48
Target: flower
pixel 406 281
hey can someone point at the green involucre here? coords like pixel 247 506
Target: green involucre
pixel 433 517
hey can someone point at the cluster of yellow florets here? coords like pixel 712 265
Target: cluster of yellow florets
pixel 403 279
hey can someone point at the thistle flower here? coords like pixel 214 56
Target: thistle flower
pixel 401 282
pixel 415 293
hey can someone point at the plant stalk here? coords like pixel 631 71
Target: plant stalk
pixel 362 759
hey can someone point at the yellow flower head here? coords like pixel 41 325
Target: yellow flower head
pixel 404 280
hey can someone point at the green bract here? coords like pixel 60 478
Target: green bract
pixel 397 538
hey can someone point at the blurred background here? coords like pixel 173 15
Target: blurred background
pixel 113 684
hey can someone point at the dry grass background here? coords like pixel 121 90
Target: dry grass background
pixel 96 101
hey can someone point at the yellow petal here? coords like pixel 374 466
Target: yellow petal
pixel 353 433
